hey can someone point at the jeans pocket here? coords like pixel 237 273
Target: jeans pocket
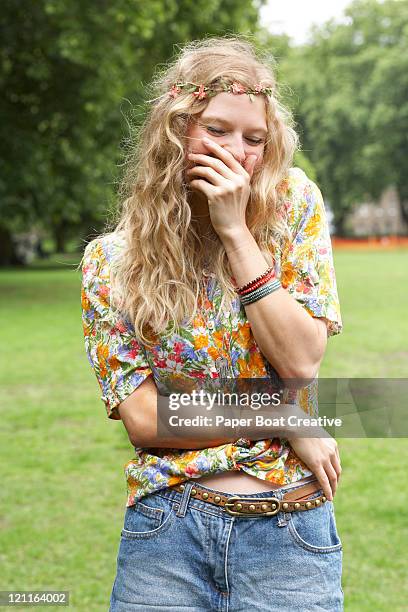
pixel 148 517
pixel 315 530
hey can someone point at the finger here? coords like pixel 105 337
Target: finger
pixel 225 156
pixel 212 162
pixel 209 173
pixel 321 476
pixel 336 464
pixel 249 164
pixel 338 453
pixel 332 476
pixel 205 187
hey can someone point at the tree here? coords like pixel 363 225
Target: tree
pixel 351 85
pixel 69 72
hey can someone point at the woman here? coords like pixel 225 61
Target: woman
pixel 220 267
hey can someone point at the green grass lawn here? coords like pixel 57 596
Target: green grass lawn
pixel 63 490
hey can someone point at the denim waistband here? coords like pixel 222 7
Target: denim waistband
pixel 184 498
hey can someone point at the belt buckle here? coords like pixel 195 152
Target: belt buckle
pixel 233 500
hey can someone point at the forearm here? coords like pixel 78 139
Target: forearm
pixel 221 425
pixel 285 333
pixel 146 436
pixel 145 432
pixel 183 443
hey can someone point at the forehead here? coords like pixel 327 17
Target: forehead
pixel 237 108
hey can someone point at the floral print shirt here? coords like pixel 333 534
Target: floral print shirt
pixel 121 363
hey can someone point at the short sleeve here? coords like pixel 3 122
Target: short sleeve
pixel 118 359
pixel 307 267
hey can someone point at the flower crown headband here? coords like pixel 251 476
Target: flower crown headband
pixel 202 91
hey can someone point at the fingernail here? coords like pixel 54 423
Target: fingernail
pixel 206 140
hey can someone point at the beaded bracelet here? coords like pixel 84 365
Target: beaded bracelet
pixel 271 275
pixel 261 292
pixel 249 285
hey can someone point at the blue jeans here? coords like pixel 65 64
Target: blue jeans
pixel 180 554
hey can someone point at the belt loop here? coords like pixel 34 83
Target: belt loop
pixel 185 499
pixel 282 516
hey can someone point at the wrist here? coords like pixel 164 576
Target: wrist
pixel 235 238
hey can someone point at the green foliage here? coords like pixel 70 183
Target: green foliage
pixel 70 71
pixel 301 160
pixel 351 85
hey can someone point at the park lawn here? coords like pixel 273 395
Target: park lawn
pixel 63 490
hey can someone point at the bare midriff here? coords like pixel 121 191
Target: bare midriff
pixel 236 482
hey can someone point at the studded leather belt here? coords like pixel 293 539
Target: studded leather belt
pixel 292 501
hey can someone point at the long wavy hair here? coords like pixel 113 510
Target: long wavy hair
pixel 157 281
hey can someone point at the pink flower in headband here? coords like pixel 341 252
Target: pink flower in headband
pixel 237 88
pixel 200 94
pixel 258 87
pixel 174 91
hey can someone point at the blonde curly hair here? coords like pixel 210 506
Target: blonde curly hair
pixel 157 281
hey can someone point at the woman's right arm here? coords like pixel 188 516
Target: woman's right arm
pixel 139 415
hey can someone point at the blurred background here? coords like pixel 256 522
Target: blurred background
pixel 73 75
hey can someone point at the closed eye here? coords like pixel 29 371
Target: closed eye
pixel 213 130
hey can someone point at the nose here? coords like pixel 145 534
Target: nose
pixel 236 148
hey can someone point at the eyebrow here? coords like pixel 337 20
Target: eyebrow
pixel 227 123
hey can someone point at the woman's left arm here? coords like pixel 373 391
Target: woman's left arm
pixel 289 325
pixel 290 339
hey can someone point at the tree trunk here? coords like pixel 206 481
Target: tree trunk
pixel 403 202
pixel 59 237
pixel 339 224
pixel 8 255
